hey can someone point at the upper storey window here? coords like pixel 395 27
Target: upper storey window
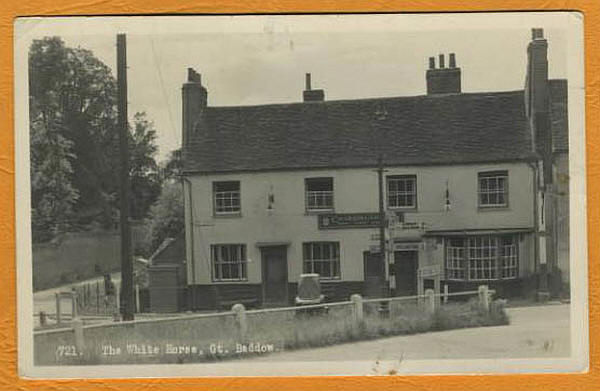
pixel 493 189
pixel 402 191
pixel 227 197
pixel 319 194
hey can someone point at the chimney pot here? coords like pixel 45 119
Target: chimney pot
pixel 193 76
pixel 452 61
pixel 431 62
pixel 442 65
pixel 308 82
pixel 537 33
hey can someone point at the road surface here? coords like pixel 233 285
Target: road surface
pixel 540 331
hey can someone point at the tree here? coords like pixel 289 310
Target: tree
pixel 143 169
pixel 165 218
pixel 173 167
pixel 74 142
pixel 53 194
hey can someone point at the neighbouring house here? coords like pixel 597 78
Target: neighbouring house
pixel 475 190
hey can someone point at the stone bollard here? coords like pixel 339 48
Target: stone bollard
pixel 484 298
pixel 430 301
pixel 240 321
pixel 357 309
pixel 78 331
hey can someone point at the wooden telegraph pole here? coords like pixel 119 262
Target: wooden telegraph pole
pixel 126 303
pixel 384 307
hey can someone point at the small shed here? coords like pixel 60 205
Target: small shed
pixel 167 276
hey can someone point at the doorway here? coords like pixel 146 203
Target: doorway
pixel 274 275
pixel 374 270
pixel 406 264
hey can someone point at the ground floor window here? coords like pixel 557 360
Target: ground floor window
pixel 322 258
pixel 229 262
pixel 482 257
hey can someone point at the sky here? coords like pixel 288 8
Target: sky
pixel 251 60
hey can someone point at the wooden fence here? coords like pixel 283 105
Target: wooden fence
pixel 428 302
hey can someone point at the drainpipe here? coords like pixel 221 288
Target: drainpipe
pixel 536 229
pixel 191 296
pixel 540 270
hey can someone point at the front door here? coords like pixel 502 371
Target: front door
pixel 405 268
pixel 274 273
pixel 374 270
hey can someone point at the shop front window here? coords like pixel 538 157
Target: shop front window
pixel 482 257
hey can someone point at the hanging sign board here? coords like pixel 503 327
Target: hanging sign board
pixel 349 220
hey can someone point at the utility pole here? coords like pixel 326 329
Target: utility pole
pixel 126 303
pixel 384 305
pixel 382 247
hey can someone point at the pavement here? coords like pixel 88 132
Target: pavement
pixel 536 331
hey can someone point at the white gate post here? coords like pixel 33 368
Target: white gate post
pixel 430 300
pixel 357 308
pixel 78 331
pixel 240 320
pixel 484 298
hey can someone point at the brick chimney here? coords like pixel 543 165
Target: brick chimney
pixel 194 101
pixel 443 80
pixel 311 95
pixel 537 98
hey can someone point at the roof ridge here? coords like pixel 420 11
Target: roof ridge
pixel 419 97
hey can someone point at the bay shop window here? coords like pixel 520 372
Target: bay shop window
pixel 482 257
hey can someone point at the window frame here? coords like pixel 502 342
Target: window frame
pixel 332 260
pixel 327 208
pixel 216 211
pixel 413 193
pixel 495 175
pixel 242 262
pixel 502 265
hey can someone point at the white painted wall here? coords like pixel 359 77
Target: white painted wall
pixel 355 191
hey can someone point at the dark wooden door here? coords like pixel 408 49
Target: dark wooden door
pixel 405 269
pixel 374 275
pixel 275 276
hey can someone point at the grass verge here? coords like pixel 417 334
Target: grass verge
pixel 216 339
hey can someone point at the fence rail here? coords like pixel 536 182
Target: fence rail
pixel 238 311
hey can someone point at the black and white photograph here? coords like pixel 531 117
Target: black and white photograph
pixel 296 195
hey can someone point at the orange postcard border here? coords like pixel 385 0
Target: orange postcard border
pixel 11 9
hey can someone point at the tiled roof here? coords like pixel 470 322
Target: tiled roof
pixel 559 115
pixel 419 130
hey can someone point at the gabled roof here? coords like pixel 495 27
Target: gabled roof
pixel 419 130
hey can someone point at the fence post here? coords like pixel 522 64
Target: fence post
pixel 445 293
pixel 73 304
pixel 484 298
pixel 57 295
pixel 137 298
pixel 78 331
pixel 240 321
pixel 42 319
pixel 430 300
pixel 97 297
pixel 357 302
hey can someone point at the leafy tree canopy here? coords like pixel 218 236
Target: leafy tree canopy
pixel 74 143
